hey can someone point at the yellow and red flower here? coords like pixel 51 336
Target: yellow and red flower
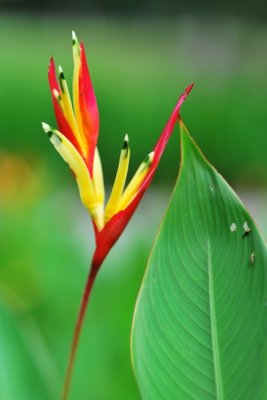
pixel 76 142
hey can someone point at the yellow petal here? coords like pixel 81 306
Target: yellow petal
pixel 113 203
pixel 98 182
pixel 76 163
pixel 65 101
pixel 98 179
pixel 76 72
pixel 132 188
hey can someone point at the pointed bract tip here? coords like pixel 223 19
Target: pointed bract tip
pixel 74 37
pixel 51 64
pixel 151 155
pixel 182 97
pixel 48 130
pixel 149 158
pixel 46 127
pixel 125 145
pixel 60 70
pixel 189 88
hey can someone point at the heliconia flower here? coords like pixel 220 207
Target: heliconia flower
pixel 76 141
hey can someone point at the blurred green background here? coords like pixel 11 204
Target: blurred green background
pixel 140 60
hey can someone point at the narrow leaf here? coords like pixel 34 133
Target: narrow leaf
pixel 200 325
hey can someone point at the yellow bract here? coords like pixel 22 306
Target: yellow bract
pixel 98 179
pixel 76 163
pixel 132 189
pixel 113 203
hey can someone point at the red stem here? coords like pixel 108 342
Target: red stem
pixel 95 265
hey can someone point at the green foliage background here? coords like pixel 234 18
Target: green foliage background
pixel 139 67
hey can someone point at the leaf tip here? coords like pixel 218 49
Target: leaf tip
pixel 183 130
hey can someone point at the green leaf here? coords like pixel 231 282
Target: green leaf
pixel 200 324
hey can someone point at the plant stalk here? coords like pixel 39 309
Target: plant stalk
pixel 95 265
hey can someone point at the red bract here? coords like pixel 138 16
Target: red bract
pixel 107 237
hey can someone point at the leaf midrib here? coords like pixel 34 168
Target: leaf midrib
pixel 214 333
